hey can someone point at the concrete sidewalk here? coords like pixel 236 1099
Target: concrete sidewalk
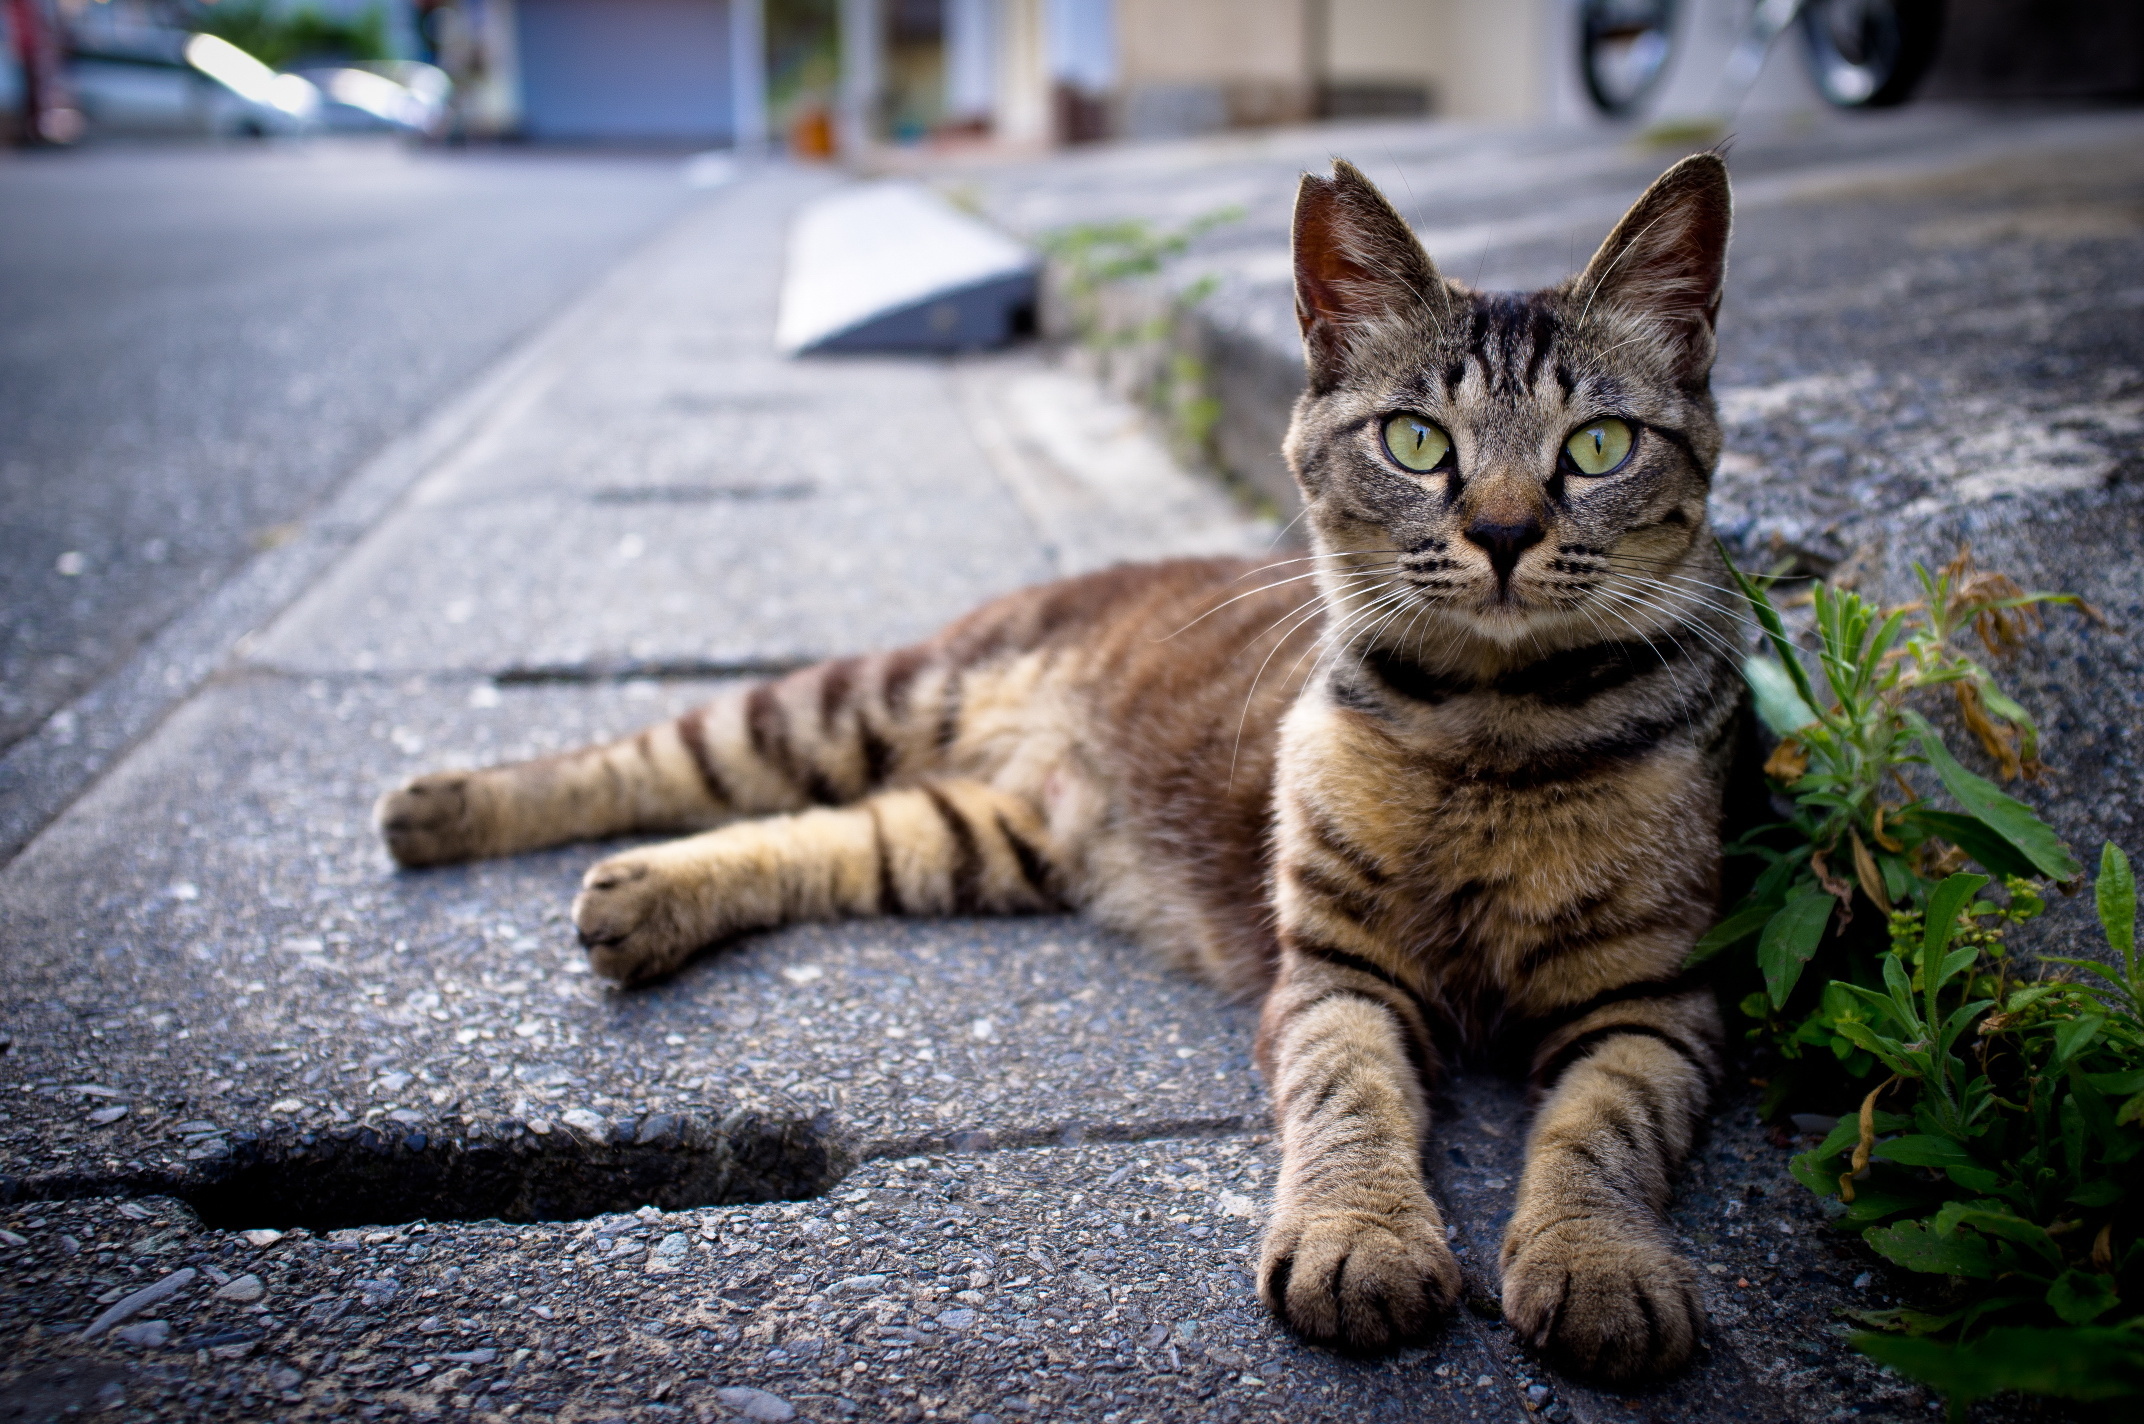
pixel 1004 1170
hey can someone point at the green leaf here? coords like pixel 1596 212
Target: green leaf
pixel 2085 1364
pixel 2104 1192
pixel 2075 1036
pixel 2081 1297
pixel 1913 1322
pixel 1871 1207
pixel 1913 1245
pixel 2118 1085
pixel 1790 938
pixel 1729 932
pixel 1922 1150
pixel 1971 835
pixel 1944 903
pixel 1808 1169
pixel 1779 703
pixel 1955 1215
pixel 1975 1178
pixel 1775 631
pixel 2116 894
pixel 2007 816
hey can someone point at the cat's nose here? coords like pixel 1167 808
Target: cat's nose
pixel 1504 542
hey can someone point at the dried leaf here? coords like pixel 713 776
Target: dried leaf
pixel 1788 763
pixel 1867 1144
pixel 1833 886
pixel 1866 872
pixel 2000 741
pixel 1890 843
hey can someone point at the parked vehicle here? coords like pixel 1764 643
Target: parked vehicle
pixel 1859 53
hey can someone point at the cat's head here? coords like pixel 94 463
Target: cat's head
pixel 1525 467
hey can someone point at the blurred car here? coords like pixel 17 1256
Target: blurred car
pixel 395 96
pixel 131 77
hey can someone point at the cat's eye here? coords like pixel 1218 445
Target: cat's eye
pixel 1416 443
pixel 1599 446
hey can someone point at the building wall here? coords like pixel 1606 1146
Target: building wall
pixel 1191 66
pixel 1380 54
pixel 1496 58
pixel 625 70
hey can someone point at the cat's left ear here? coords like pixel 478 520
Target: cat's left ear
pixel 1666 262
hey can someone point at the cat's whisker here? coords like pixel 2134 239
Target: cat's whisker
pixel 1732 615
pixel 1250 695
pixel 1267 588
pixel 1314 603
pixel 1712 638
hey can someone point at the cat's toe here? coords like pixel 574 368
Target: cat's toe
pixel 632 920
pixel 1605 1300
pixel 428 821
pixel 1360 1281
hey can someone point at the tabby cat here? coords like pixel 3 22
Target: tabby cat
pixel 1468 794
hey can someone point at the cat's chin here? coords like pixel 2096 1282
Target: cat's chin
pixel 1510 623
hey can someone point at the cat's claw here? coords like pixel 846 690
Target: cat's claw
pixel 1360 1281
pixel 428 821
pixel 1613 1305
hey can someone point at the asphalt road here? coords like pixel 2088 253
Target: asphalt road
pixel 197 343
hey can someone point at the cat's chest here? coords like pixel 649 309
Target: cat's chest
pixel 1464 841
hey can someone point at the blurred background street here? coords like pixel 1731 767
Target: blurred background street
pixel 197 344
pixel 437 383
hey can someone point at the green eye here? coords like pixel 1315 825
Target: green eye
pixel 1416 443
pixel 1599 447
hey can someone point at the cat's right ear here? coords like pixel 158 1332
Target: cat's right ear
pixel 1358 268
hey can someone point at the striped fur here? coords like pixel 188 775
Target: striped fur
pixel 1451 785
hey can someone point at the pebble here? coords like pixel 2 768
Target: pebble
pixel 13 1240
pixel 591 1125
pixel 858 1284
pixel 127 1307
pixel 244 1290
pixel 262 1237
pixel 1536 1396
pixel 146 1334
pixel 756 1404
pixel 105 1117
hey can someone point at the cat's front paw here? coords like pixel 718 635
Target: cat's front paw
pixel 433 820
pixel 1602 1298
pixel 1361 1281
pixel 637 918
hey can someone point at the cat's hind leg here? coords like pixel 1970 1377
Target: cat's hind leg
pixel 824 735
pixel 1591 1274
pixel 939 848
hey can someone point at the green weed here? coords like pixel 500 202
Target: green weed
pixel 276 37
pixel 1093 258
pixel 2002 1150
